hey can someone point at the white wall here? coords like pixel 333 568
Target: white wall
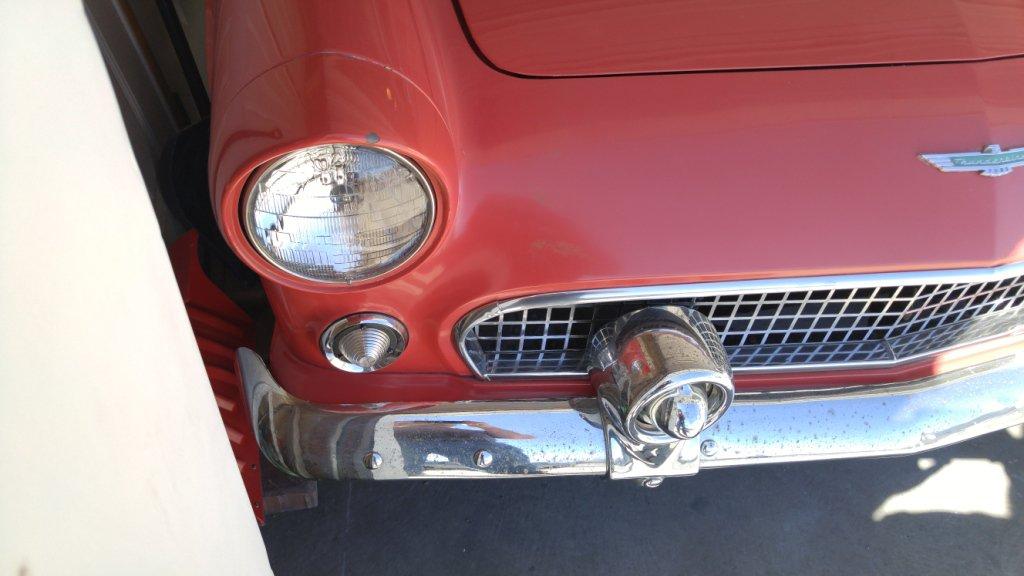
pixel 113 459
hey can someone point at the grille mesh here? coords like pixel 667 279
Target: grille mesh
pixel 877 324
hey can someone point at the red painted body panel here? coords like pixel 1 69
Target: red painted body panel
pixel 591 37
pixel 559 184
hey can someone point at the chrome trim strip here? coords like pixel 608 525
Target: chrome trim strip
pixel 703 289
pixel 564 437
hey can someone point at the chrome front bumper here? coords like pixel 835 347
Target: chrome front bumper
pixel 566 437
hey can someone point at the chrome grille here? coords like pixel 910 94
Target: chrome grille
pixel 775 324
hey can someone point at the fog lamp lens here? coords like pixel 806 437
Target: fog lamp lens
pixel 338 212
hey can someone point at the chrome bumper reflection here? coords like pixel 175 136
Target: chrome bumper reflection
pixel 566 437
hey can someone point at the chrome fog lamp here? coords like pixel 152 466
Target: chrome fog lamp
pixel 363 342
pixel 338 213
pixel 662 378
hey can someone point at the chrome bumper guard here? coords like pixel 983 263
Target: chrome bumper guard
pixel 489 439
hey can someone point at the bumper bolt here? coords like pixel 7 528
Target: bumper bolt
pixel 372 460
pixel 483 458
pixel 709 448
pixel 652 482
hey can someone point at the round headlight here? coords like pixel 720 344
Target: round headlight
pixel 338 212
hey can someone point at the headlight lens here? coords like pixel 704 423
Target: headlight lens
pixel 338 213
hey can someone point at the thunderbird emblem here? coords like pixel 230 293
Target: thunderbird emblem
pixel 992 161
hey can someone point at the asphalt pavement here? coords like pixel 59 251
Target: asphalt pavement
pixel 959 510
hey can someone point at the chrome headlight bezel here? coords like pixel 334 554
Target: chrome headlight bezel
pixel 249 197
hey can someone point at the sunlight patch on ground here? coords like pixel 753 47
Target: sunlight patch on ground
pixel 963 486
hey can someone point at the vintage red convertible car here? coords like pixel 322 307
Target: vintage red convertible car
pixel 520 238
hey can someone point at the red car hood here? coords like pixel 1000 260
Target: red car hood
pixel 598 37
pixel 590 182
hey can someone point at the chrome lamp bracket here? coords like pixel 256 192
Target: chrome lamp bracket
pixel 662 377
